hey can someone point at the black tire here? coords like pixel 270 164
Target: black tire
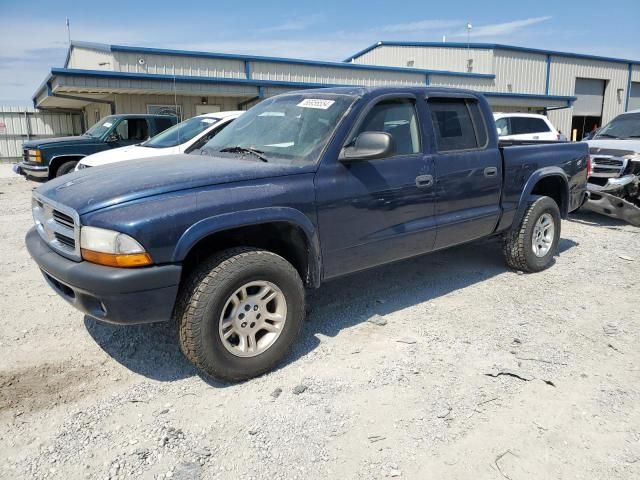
pixel 203 296
pixel 66 167
pixel 518 242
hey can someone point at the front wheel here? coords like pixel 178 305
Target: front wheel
pixel 65 168
pixel 531 246
pixel 239 313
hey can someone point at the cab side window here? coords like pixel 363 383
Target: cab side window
pixel 398 118
pixel 458 124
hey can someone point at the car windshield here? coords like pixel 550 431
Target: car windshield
pixel 623 126
pixel 102 127
pixel 181 133
pixel 291 128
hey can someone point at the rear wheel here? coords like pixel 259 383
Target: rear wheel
pixel 531 246
pixel 66 167
pixel 239 313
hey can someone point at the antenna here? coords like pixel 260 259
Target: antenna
pixel 68 31
pixel 469 59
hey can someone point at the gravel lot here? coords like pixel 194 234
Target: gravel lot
pixel 447 366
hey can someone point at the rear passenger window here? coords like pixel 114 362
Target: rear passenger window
pixel 398 119
pixel 525 125
pixel 458 124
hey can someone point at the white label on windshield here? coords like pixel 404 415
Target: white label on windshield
pixel 107 124
pixel 316 103
pixel 209 120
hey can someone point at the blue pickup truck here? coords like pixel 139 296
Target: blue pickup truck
pixel 304 187
pixel 53 157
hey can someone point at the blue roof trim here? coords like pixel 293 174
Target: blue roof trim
pixel 489 46
pixel 294 61
pixel 260 83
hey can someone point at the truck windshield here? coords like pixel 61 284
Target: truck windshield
pixel 292 128
pixel 102 127
pixel 181 133
pixel 623 126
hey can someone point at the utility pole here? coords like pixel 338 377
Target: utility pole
pixel 68 31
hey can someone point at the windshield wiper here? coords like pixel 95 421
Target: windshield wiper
pixel 608 135
pixel 252 151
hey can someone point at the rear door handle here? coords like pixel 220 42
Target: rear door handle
pixel 490 172
pixel 424 181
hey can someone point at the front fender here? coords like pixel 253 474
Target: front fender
pixel 526 196
pixel 228 221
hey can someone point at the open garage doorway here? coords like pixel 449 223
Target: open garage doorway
pixel 587 109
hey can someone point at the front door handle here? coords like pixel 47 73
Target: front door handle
pixel 424 181
pixel 490 172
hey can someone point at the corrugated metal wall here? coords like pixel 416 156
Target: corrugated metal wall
pixel 520 72
pixel 187 66
pixel 331 76
pixel 139 103
pixel 25 123
pixel 436 58
pixel 565 70
pixel 91 59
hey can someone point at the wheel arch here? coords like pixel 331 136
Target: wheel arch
pixel 551 182
pixel 58 160
pixel 285 231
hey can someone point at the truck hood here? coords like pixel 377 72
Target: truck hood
pixel 95 188
pixel 614 147
pixel 124 153
pixel 61 141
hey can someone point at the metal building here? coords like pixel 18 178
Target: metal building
pixel 99 79
pixel 603 87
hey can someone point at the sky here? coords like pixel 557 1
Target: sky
pixel 33 36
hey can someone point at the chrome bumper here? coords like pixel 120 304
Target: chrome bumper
pixel 38 171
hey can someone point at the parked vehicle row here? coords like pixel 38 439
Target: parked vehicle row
pixel 54 157
pixel 184 137
pixel 304 187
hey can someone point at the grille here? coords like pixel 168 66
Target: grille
pixel 63 218
pixel 608 166
pixel 58 226
pixel 66 241
pixel 608 161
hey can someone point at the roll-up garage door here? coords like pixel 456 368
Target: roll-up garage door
pixel 634 98
pixel 590 97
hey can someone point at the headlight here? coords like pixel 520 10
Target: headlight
pixel 81 166
pixel 35 155
pixel 113 249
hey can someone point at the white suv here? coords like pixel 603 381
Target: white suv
pixel 525 126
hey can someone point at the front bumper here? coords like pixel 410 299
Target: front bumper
pixel 38 171
pixel 612 206
pixel 114 295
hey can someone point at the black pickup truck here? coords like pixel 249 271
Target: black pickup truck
pixel 304 187
pixel 54 157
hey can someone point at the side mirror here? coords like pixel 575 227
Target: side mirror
pixel 112 137
pixel 369 146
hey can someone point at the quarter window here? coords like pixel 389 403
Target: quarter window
pixel 397 118
pixel 458 124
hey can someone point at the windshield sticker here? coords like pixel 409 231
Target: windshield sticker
pixel 107 124
pixel 209 120
pixel 316 103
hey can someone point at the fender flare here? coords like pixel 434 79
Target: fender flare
pixel 526 196
pixel 228 221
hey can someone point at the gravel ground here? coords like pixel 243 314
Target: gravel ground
pixel 447 366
